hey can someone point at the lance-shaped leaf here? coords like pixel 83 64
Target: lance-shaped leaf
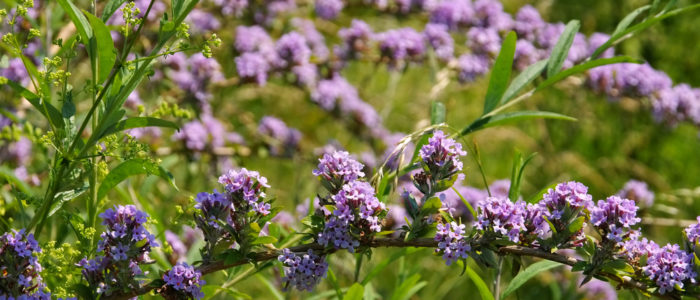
pixel 527 274
pixel 104 47
pixel 511 117
pixel 130 168
pixel 561 48
pixel 500 75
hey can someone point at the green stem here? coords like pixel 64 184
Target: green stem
pixel 497 279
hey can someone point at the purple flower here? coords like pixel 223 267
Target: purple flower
pixel 314 39
pixel 209 133
pixel 338 168
pixel 673 105
pixel 614 214
pixel 20 267
pixel 573 195
pixel 253 39
pixel 333 92
pixel 596 40
pixel 123 247
pixel 692 233
pixel 526 54
pixel 441 155
pixel 246 187
pixel 452 243
pixel 452 14
pixel 302 271
pixel 179 248
pixel 401 45
pixel 528 23
pixel 292 50
pixel 328 9
pixel 15 71
pixel 253 66
pixel 202 21
pixel 306 75
pixel 193 74
pixel 638 191
pixel 357 209
pixel 489 13
pixel 485 41
pixel 670 268
pixel 440 40
pixel 284 139
pixel 183 281
pixel 471 66
pixel 231 7
pixel 502 216
pixel 356 39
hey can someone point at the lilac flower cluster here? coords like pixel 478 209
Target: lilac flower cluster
pixel 328 9
pixel 207 134
pixel 282 139
pixel 338 168
pixel 194 74
pixel 123 247
pixel 670 268
pixel 501 216
pixel 692 233
pixel 356 40
pixel 225 216
pixel 440 161
pixel 638 191
pixel 356 215
pixel 452 243
pixel 399 46
pixel 614 217
pixel 303 271
pixel 183 282
pixel 439 38
pixel 338 95
pixel 570 197
pixel 20 267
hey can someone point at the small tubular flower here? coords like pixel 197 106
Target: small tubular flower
pixel 302 271
pixel 452 243
pixel 182 282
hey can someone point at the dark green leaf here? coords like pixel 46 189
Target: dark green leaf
pixel 527 274
pixel 480 285
pixel 355 292
pixel 68 108
pixel 561 48
pixel 130 168
pixel 104 46
pixel 139 122
pixel 628 19
pixel 523 79
pixel 81 23
pixel 65 196
pixel 50 112
pixel 500 74
pixel 110 8
pixel 584 67
pixel 511 117
pixel 437 113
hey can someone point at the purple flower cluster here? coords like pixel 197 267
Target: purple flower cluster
pixel 242 204
pixel 502 216
pixel 452 243
pixel 614 217
pixel 123 247
pixel 439 38
pixel 692 233
pixel 399 46
pixel 470 66
pixel 207 134
pixel 670 268
pixel 569 197
pixel 356 39
pixel 357 214
pixel 247 190
pixel 20 267
pixel 638 191
pixel 303 271
pixel 337 94
pixel 283 140
pixel 338 168
pixel 441 156
pixel 231 7
pixel 183 282
pixel 328 9
pixel 194 74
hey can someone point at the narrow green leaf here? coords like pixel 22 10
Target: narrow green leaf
pixel 416 152
pixel 527 274
pixel 51 113
pixel 81 23
pixel 334 283
pixel 272 288
pixel 139 122
pixel 629 18
pixel 561 48
pixel 103 44
pixel 500 74
pixel 511 117
pixel 62 198
pixel 407 288
pixel 516 181
pixel 437 113
pixel 576 225
pixel 641 26
pixel 130 168
pixel 466 203
pixel 537 197
pixel 584 67
pixel 480 285
pixel 523 79
pixel 110 8
pixel 355 292
pixel 265 239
